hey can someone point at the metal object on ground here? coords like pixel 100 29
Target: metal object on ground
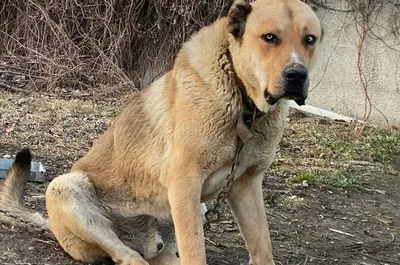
pixel 37 170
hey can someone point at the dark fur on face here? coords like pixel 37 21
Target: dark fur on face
pixel 237 18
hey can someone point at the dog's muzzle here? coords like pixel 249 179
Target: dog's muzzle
pixel 296 83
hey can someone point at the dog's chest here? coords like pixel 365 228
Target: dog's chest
pixel 258 154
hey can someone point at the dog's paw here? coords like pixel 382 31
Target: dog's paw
pixel 165 258
pixel 269 263
pixel 130 258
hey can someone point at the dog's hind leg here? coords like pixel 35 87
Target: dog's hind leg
pixel 81 224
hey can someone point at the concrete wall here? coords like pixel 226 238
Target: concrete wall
pixel 335 83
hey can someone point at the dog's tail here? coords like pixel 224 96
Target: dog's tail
pixel 12 210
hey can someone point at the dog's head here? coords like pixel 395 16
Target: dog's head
pixel 274 45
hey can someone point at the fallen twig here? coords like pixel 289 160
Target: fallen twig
pixel 340 232
pixel 305 261
pixel 10 88
pixel 392 203
pixel 44 241
pixel 359 162
pixel 210 241
pixel 29 75
pixel 281 215
pixel 393 238
pixel 382 192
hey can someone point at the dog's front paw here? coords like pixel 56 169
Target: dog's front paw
pixel 268 263
pixel 130 258
pixel 165 259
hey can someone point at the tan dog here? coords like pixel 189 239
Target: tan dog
pixel 172 145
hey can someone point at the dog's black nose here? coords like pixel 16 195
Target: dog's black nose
pixel 160 246
pixel 296 82
pixel 296 74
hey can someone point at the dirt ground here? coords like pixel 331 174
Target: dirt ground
pixel 332 197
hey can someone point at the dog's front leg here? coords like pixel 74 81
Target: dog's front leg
pixel 246 202
pixel 184 192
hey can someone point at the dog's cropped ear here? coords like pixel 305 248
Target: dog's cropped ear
pixel 314 8
pixel 237 17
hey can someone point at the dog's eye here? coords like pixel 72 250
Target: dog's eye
pixel 270 38
pixel 310 40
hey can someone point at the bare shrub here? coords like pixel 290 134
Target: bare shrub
pixel 112 45
pixel 86 44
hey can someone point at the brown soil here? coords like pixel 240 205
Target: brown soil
pixel 310 224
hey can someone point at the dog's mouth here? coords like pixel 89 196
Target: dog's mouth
pixel 299 100
pixel 271 100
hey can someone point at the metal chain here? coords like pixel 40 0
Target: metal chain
pixel 213 215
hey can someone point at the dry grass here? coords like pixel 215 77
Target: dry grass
pixel 322 152
pixel 327 153
pixel 57 130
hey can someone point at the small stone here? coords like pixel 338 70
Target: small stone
pixel 305 183
pixel 6 156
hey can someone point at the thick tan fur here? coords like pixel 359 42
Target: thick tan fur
pixel 172 145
